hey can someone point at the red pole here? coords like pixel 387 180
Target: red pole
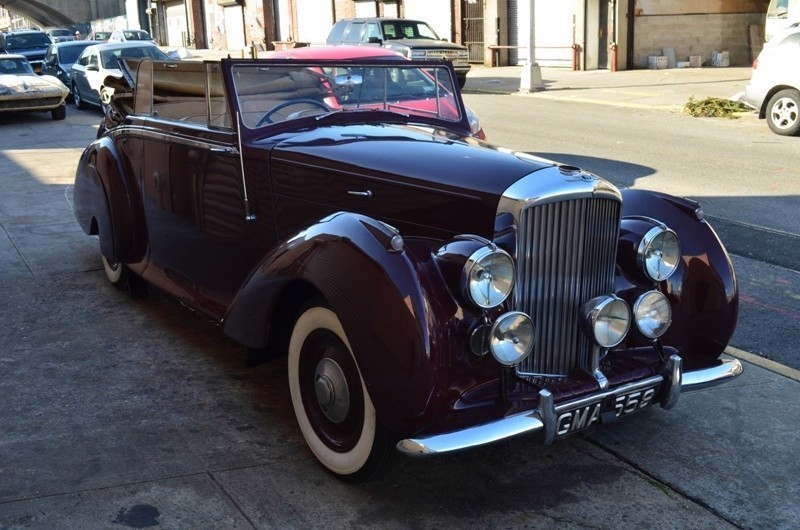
pixel 576 52
pixel 613 48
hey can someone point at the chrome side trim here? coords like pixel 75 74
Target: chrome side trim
pixel 249 216
pixel 726 370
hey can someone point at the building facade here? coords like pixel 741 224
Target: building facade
pixel 583 34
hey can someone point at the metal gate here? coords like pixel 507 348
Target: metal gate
pixel 473 29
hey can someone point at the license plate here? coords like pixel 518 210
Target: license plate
pixel 606 409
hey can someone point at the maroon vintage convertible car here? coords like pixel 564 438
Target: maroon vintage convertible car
pixel 432 292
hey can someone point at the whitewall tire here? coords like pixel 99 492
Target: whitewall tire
pixel 331 402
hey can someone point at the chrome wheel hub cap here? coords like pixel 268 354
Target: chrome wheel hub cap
pixel 333 395
pixel 784 113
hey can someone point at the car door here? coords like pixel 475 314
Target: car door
pixel 203 244
pixel 79 73
pixel 93 78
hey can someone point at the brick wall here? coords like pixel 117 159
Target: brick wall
pixel 694 35
pixel 683 7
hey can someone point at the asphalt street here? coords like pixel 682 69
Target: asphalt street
pixel 140 413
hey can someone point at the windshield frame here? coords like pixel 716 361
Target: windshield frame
pixel 381 111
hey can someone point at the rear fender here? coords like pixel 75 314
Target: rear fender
pixel 382 298
pixel 108 202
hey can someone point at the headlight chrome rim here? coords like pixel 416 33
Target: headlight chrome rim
pixel 607 320
pixel 659 253
pixel 511 338
pixel 489 275
pixel 652 314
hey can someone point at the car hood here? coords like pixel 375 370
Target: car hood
pixel 31 85
pixel 416 178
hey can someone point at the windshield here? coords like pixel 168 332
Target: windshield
pixel 69 54
pixel 408 29
pixel 109 57
pixel 23 42
pixel 271 94
pixel 136 35
pixel 778 9
pixel 14 66
pixel 60 32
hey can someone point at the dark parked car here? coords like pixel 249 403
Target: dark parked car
pixel 413 38
pixel 31 43
pixel 61 56
pixel 432 292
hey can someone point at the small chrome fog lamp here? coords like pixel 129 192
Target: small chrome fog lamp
pixel 511 338
pixel 659 253
pixel 606 319
pixel 653 314
pixel 489 277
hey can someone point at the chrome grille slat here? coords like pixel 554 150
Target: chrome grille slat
pixel 566 253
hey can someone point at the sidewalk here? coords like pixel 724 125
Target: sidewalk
pixel 667 89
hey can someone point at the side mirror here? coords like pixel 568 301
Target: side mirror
pixel 92 68
pixel 374 40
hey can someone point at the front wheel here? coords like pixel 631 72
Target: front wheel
pixel 782 113
pixel 331 403
pixel 59 113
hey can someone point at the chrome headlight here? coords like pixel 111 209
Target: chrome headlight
pixel 659 253
pixel 606 319
pixel 653 314
pixel 489 277
pixel 511 338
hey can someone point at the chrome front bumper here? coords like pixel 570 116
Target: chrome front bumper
pixel 543 420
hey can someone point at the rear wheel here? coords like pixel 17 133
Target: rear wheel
pixel 76 97
pixel 783 113
pixel 331 403
pixel 122 277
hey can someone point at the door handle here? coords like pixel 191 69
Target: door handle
pixel 367 194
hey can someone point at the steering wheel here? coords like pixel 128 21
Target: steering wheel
pixel 267 118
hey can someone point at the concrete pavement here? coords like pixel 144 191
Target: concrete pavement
pixel 137 413
pixel 657 89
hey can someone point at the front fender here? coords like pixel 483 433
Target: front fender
pixel 107 202
pixel 382 297
pixel 703 290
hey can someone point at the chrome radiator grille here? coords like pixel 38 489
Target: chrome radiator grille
pixel 566 252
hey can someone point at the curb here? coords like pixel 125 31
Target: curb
pixel 763 362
